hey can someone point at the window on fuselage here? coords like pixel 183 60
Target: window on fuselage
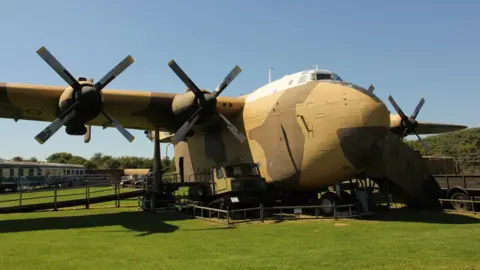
pixel 323 76
pixel 302 79
pixel 336 77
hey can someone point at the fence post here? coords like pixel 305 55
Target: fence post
pixel 117 185
pixel 55 199
pixel 335 210
pixel 20 200
pixel 261 212
pixel 228 215
pixel 87 197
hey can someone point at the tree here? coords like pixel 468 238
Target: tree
pixel 61 157
pixel 17 158
pixel 90 165
pixel 457 144
pixel 32 159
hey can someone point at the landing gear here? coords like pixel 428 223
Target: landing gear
pixel 157 194
pixel 328 200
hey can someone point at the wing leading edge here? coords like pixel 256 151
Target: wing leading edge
pixel 423 128
pixel 133 109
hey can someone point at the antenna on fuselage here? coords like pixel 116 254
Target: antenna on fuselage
pixel 270 75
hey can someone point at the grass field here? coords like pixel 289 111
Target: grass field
pixel 35 197
pixel 127 238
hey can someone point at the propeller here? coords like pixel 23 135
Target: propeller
pixel 78 96
pixel 371 88
pixel 88 135
pixel 410 123
pixel 207 102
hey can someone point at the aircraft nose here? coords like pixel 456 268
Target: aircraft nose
pixel 363 138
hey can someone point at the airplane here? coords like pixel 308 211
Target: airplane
pixel 305 130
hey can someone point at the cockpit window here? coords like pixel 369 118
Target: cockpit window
pixel 336 77
pixel 302 79
pixel 323 76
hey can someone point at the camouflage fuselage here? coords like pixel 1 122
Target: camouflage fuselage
pixel 303 137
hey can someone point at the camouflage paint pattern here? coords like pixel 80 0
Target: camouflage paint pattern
pixel 305 137
pixel 299 136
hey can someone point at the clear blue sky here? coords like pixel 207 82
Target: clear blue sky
pixel 408 49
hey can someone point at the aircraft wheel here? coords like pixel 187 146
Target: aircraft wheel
pixel 327 201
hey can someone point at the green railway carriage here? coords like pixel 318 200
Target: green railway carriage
pixel 22 168
pixel 14 174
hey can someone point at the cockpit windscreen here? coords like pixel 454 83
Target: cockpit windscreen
pixel 326 76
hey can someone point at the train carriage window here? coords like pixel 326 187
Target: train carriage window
pixel 20 172
pixel 30 172
pixel 12 172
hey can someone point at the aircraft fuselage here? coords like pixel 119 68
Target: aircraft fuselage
pixel 303 135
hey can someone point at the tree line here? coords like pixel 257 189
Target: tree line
pixel 101 161
pixel 460 143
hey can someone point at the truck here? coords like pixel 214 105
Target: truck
pixel 239 184
pixel 455 182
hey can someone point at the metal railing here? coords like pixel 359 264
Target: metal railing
pixel 471 203
pixel 258 214
pixel 88 192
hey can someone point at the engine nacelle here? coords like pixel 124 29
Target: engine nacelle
pixel 89 107
pixel 183 103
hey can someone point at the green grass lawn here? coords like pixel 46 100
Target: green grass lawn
pixel 127 238
pixel 35 197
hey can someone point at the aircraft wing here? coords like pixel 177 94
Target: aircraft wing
pixel 132 109
pixel 423 128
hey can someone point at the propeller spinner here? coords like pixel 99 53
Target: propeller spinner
pixel 81 96
pixel 410 123
pixel 206 102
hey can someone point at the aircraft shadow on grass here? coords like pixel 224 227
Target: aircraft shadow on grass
pixel 143 222
pixel 401 215
pixel 424 216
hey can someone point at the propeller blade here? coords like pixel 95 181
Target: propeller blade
pixel 240 137
pixel 117 70
pixel 417 109
pixel 397 108
pixel 180 134
pixel 120 128
pixel 186 80
pixel 88 134
pixel 371 88
pixel 48 132
pixel 58 68
pixel 427 149
pixel 230 77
